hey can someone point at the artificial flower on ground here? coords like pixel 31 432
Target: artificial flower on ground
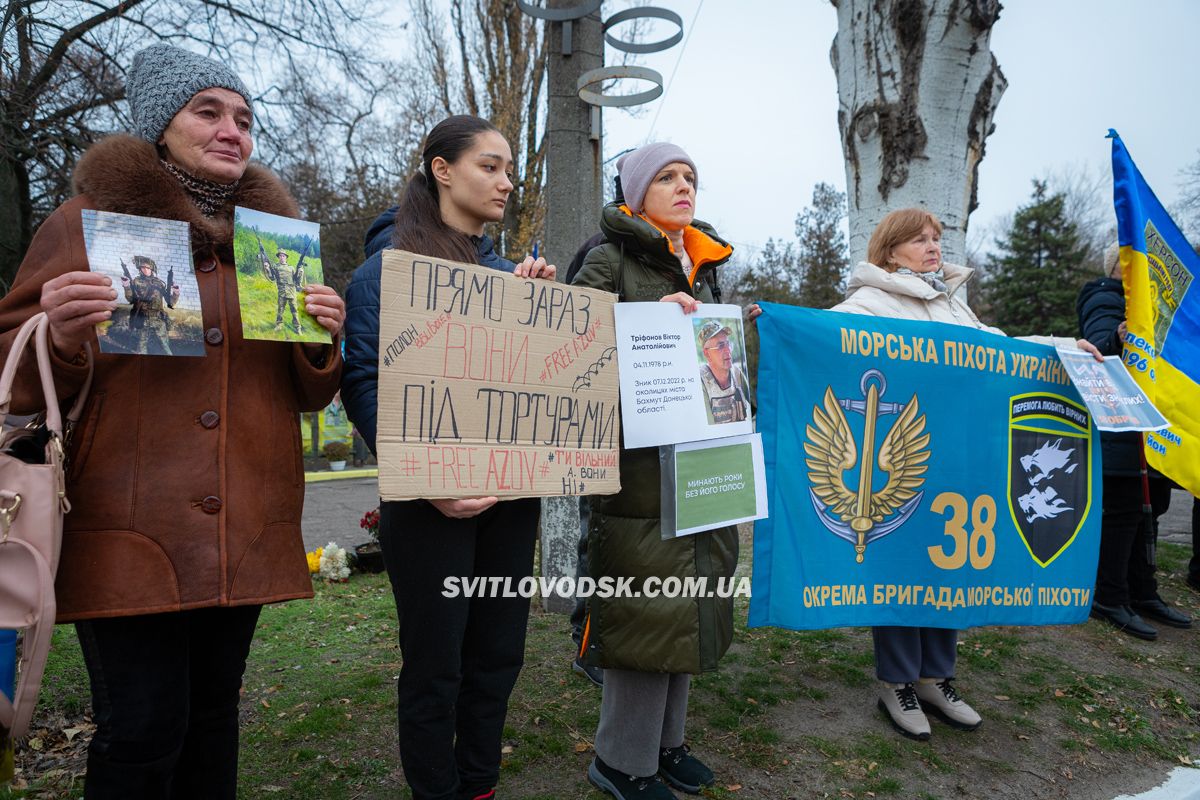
pixel 334 563
pixel 314 560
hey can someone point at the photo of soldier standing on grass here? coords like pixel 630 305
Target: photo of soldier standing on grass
pixel 277 258
pixel 158 311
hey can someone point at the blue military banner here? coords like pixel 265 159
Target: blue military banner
pixel 920 474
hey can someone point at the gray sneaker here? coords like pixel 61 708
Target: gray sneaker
pixel 899 702
pixel 940 697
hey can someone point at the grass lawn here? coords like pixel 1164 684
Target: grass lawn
pixel 1078 712
pixel 258 298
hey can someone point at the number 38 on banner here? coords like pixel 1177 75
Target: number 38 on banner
pixel 979 544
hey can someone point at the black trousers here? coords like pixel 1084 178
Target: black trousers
pixel 165 690
pixel 1125 572
pixel 1194 564
pixel 461 654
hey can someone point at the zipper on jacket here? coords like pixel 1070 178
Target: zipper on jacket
pixel 587 634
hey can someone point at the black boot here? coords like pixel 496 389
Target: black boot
pixel 1158 610
pixel 1124 619
pixel 683 770
pixel 589 671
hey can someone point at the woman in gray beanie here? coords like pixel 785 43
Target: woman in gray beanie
pixel 649 647
pixel 184 473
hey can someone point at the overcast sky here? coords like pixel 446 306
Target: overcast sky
pixel 754 101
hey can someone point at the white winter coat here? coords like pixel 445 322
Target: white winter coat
pixel 879 293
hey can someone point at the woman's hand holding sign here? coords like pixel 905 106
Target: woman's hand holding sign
pixel 464 507
pixel 685 300
pixel 533 267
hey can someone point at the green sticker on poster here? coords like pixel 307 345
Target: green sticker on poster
pixel 714 485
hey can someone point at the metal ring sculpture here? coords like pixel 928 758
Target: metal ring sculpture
pixel 597 98
pixel 559 14
pixel 650 12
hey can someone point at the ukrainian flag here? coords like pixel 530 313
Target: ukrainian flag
pixel 1162 311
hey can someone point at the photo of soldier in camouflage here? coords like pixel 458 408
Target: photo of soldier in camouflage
pixel 158 311
pixel 722 372
pixel 278 260
pixel 287 282
pixel 149 298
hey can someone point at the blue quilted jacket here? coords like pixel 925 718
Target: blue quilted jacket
pixel 360 376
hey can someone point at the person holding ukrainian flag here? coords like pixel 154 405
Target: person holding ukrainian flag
pixel 1162 343
pixel 1134 498
pixel 1158 343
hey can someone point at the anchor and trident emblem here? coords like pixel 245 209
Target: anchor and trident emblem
pixel 860 515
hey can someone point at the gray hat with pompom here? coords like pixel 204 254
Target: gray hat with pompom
pixel 164 78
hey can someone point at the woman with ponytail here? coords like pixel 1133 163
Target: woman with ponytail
pixel 461 655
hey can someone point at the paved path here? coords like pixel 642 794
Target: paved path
pixel 333 508
pixel 1176 524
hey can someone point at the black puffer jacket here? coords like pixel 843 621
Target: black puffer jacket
pixel 1101 308
pixel 678 634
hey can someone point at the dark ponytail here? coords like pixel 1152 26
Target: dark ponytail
pixel 419 224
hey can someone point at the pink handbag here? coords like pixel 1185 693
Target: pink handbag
pixel 32 503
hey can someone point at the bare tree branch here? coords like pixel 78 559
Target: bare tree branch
pixel 62 76
pixel 54 58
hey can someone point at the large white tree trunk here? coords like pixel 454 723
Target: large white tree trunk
pixel 917 89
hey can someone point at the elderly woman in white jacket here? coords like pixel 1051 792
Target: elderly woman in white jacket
pixel 906 278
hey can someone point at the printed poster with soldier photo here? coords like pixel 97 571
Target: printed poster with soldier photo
pixel 158 300
pixel 276 257
pixel 683 377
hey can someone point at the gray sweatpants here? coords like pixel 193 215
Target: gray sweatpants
pixel 641 713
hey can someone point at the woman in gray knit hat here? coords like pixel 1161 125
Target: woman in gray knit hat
pixel 184 473
pixel 650 645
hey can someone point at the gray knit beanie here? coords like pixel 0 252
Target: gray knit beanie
pixel 638 168
pixel 164 78
pixel 1112 258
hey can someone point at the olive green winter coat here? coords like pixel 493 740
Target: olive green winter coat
pixel 680 634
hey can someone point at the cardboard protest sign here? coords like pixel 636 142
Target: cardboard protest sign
pixel 493 385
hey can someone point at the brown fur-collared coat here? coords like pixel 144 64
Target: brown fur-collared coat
pixel 185 474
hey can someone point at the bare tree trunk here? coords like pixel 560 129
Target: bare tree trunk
pixel 16 225
pixel 917 89
pixel 572 214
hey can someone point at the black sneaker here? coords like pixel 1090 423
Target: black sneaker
pixel 592 673
pixel 683 770
pixel 627 787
